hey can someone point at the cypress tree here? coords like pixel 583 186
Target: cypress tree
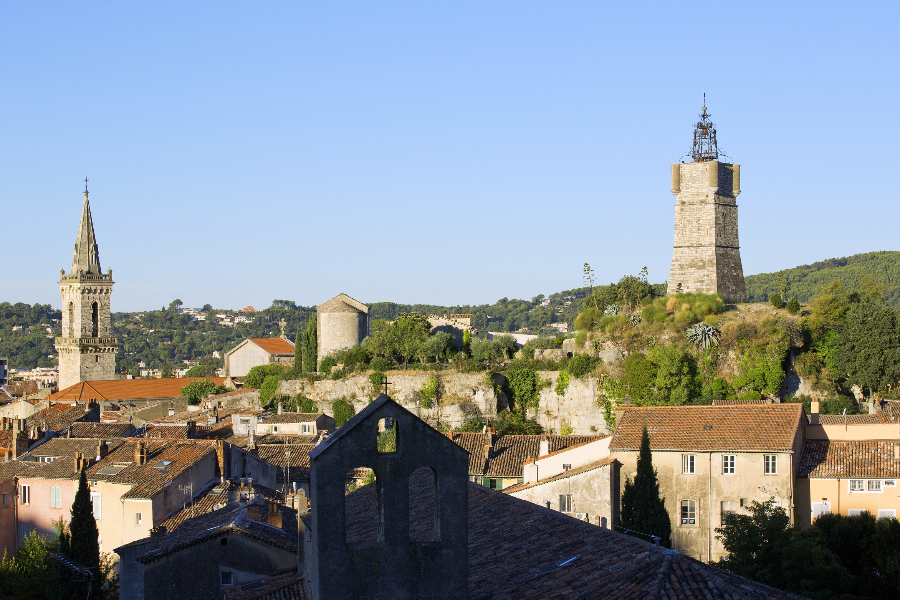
pixel 642 509
pixel 84 548
pixel 298 351
pixel 311 347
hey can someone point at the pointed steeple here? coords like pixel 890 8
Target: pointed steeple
pixel 86 257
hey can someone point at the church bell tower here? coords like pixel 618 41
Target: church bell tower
pixel 707 258
pixel 87 348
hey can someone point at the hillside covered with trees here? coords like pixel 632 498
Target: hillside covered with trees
pixel 806 281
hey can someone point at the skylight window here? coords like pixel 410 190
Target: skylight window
pixel 163 464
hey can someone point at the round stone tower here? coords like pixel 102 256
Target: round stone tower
pixel 341 323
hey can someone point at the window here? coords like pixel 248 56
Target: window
pixel 890 483
pixel 565 503
pixel 227 578
pixel 491 483
pixel 820 508
pixel 874 485
pixel 25 494
pixel 24 530
pixel 771 464
pixel 887 513
pixel 855 512
pixel 307 429
pixel 688 512
pixel 137 518
pixel 687 464
pixel 856 485
pixel 276 429
pixel 728 464
pixel 729 506
pixel 388 435
pixel 745 502
pixel 95 500
pixel 5 500
pixel 55 497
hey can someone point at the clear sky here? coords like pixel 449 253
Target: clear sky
pixel 435 152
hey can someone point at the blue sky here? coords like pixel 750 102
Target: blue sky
pixel 445 153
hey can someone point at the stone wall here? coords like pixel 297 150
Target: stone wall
pixel 463 396
pixel 339 330
pixel 594 494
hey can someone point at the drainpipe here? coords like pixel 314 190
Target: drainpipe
pixel 709 510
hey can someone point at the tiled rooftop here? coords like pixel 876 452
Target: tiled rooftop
pixel 58 416
pixel 564 475
pixel 288 586
pixel 100 430
pixel 173 432
pixel 746 428
pixel 215 498
pixel 518 550
pixel 22 388
pixel 274 345
pixel 289 417
pixel 62 450
pixel 823 459
pixel 874 419
pixel 510 452
pixel 128 389
pixel 297 462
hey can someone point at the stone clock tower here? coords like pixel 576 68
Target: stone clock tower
pixel 87 348
pixel 707 257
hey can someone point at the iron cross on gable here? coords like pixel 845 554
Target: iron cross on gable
pixel 386 383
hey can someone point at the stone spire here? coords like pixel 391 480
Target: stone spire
pixel 86 257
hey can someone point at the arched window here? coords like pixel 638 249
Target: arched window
pixel 423 521
pixel 364 523
pixel 388 435
pixel 71 327
pixel 95 319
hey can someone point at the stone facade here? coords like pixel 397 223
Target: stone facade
pixel 706 257
pixel 87 347
pixel 341 323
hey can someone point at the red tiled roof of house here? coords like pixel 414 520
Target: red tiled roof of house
pixel 521 550
pixel 22 388
pixel 62 450
pixel 168 432
pixel 824 459
pixel 564 475
pixel 510 452
pixel 128 389
pixel 274 345
pixel 875 419
pixel 747 428
pixel 100 430
pixel 289 417
pixel 60 416
pixel 736 402
pixel 297 463
pixel 214 498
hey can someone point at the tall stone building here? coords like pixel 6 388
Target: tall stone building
pixel 707 257
pixel 87 348
pixel 341 323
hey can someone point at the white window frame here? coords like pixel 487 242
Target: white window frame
pixel 565 503
pixel 728 464
pixel 306 428
pixel 96 504
pixel 887 513
pixel 728 506
pixel 55 496
pixel 819 509
pixel 691 506
pixel 857 485
pixel 137 518
pixel 855 512
pixel 873 485
pixel 770 464
pixel 25 494
pixel 688 464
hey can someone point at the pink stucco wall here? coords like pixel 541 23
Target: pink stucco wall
pixel 37 514
pixel 8 507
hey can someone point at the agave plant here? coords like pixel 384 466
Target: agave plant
pixel 703 335
pixel 611 309
pixel 636 320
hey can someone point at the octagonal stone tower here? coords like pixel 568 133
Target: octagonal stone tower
pixel 87 348
pixel 706 258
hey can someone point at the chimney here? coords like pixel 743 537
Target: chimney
pixel 172 410
pixel 253 512
pixel 78 462
pixel 139 455
pixel 814 412
pixel 8 455
pixel 156 536
pixel 102 450
pixel 280 408
pixel 274 516
pixel 250 493
pixel 191 430
pixel 544 447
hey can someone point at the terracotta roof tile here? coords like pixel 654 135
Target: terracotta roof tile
pixel 128 389
pixel 519 550
pixel 100 430
pixel 62 450
pixel 297 463
pixel 564 475
pixel 289 586
pixel 274 345
pixel 215 498
pixel 510 452
pixel 60 416
pixel 290 417
pixel 874 419
pixel 747 428
pixel 823 459
pixel 169 432
pixel 22 388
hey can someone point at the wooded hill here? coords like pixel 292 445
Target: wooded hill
pixel 806 281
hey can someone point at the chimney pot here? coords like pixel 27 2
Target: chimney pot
pixel 544 448
pixel 280 407
pixel 814 412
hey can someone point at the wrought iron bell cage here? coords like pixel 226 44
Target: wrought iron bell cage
pixel 705 147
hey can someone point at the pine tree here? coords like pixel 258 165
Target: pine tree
pixel 311 346
pixel 643 510
pixel 84 548
pixel 298 351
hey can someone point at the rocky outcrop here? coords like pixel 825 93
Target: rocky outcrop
pixel 577 408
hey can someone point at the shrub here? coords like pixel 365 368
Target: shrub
pixel 257 374
pixel 307 405
pixel 380 364
pixel 793 306
pixel 429 391
pixel 776 301
pixel 337 374
pixel 377 378
pixel 524 386
pixel 703 336
pixel 581 364
pixel 342 411
pixel 267 389
pixel 327 363
pixel 562 383
pixel 566 429
pixel 199 389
